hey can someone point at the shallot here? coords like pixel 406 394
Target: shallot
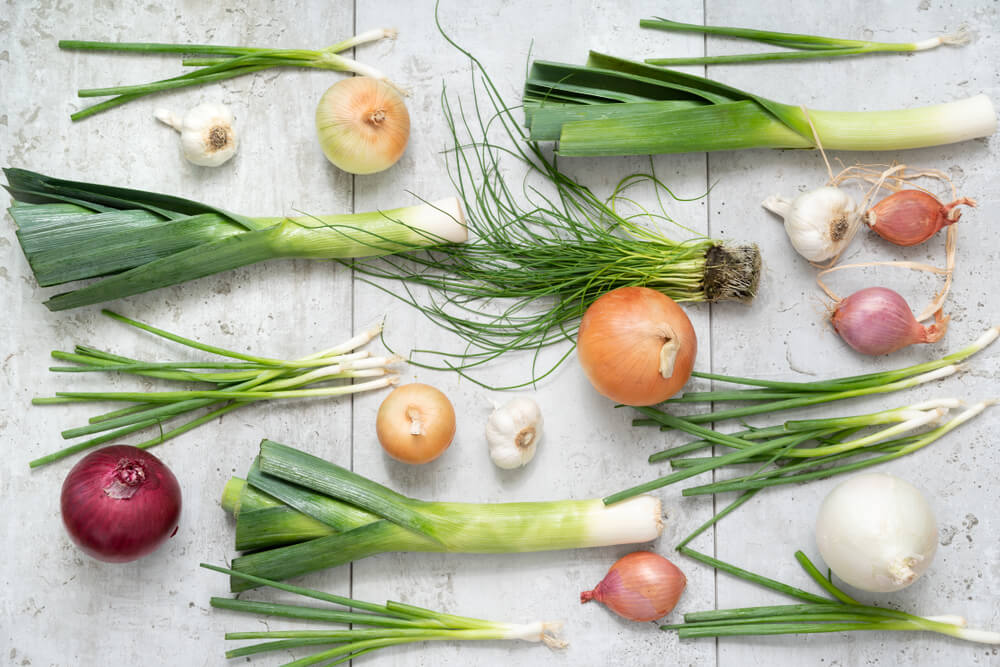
pixel 641 586
pixel 909 217
pixel 877 320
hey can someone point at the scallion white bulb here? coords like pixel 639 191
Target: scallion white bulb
pixel 820 223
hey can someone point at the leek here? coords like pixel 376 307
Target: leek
pixel 143 241
pixel 613 106
pixel 223 62
pixel 389 624
pixel 803 46
pixel 238 383
pixel 837 613
pixel 366 518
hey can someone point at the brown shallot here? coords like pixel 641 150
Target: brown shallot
pixel 641 586
pixel 909 217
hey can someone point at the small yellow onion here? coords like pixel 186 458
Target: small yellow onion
pixel 636 346
pixel 415 423
pixel 363 125
pixel 641 586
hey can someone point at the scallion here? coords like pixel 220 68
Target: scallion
pixel 388 624
pixel 245 380
pixel 802 46
pixel 223 62
pixel 836 613
pixel 783 449
pixel 141 241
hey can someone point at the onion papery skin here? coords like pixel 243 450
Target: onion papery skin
pixel 641 586
pixel 619 344
pixel 877 320
pixel 412 407
pixel 120 503
pixel 910 217
pixel 362 124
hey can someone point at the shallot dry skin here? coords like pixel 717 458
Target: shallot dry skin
pixel 877 320
pixel 909 217
pixel 641 586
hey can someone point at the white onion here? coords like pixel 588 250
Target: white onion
pixel 876 532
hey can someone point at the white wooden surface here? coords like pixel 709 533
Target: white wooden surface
pixel 59 607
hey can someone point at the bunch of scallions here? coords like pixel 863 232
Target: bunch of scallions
pixel 137 241
pixel 543 246
pixel 612 106
pixel 218 63
pixel 799 46
pixel 803 450
pixel 238 380
pixel 297 513
pixel 389 624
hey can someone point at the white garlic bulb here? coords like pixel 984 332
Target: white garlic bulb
pixel 819 223
pixel 513 432
pixel 207 135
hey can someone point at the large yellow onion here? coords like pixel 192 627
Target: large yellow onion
pixel 636 346
pixel 363 125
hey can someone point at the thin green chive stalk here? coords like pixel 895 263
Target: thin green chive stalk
pixel 134 241
pixel 612 106
pixel 366 518
pixel 272 379
pixel 386 624
pixel 804 46
pixel 838 613
pixel 226 62
pixel 543 247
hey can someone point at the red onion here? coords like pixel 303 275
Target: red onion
pixel 641 586
pixel 120 503
pixel 877 320
pixel 909 217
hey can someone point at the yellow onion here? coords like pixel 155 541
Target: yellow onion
pixel 636 346
pixel 641 586
pixel 415 423
pixel 363 125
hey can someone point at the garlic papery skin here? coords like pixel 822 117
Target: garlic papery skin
pixel 876 532
pixel 513 432
pixel 819 223
pixel 207 135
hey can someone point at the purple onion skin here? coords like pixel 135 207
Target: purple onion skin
pixel 877 320
pixel 120 503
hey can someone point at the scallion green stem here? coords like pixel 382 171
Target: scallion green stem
pixel 840 614
pixel 229 62
pixel 807 46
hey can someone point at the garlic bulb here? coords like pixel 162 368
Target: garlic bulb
pixel 819 223
pixel 207 135
pixel 513 432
